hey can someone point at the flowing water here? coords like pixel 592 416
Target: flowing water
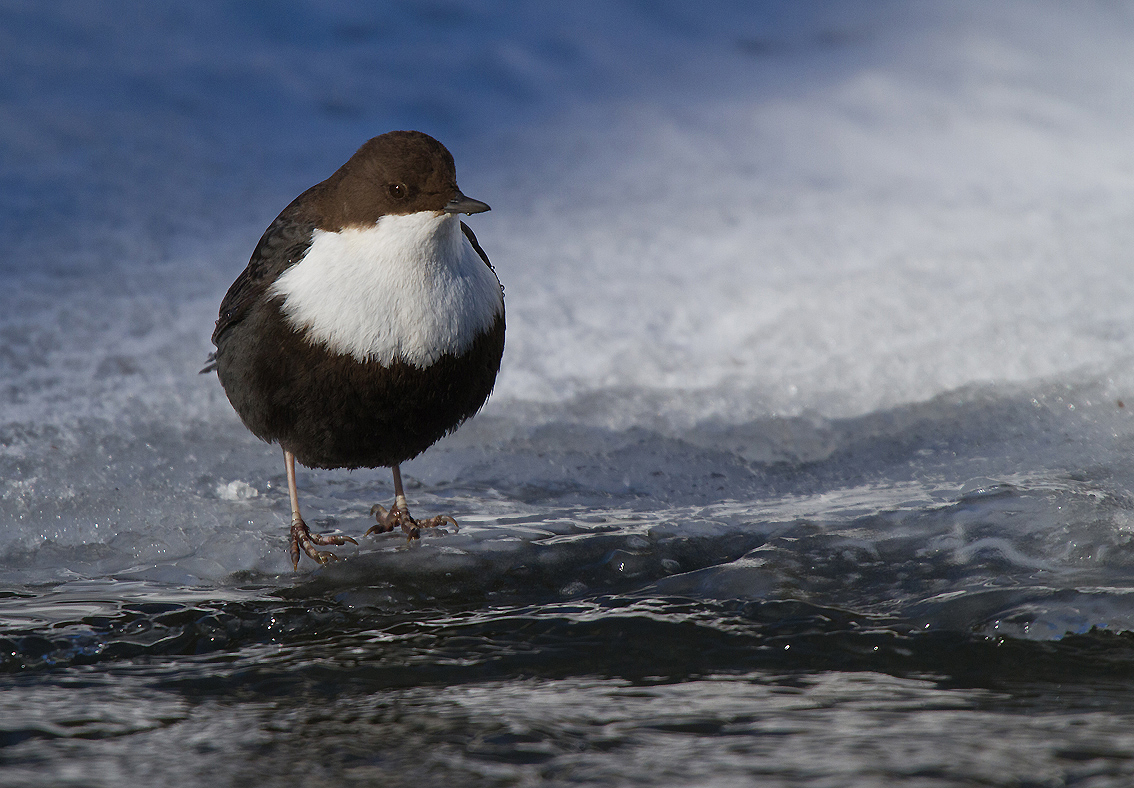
pixel 809 463
pixel 705 619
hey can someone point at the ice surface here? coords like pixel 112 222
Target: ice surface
pixel 782 279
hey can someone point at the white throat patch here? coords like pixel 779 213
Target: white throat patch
pixel 409 287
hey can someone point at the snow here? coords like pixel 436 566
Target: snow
pixel 763 257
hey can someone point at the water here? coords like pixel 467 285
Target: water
pixel 568 696
pixel 809 461
pixel 852 620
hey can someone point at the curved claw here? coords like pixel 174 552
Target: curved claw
pixel 385 520
pixel 323 557
pixel 293 551
pixel 397 516
pixel 441 519
pixel 325 539
pixel 303 539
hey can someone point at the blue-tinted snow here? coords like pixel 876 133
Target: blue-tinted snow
pixel 821 301
pixel 812 441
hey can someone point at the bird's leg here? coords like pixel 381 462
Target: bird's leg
pixel 301 536
pixel 399 514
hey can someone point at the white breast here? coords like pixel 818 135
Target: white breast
pixel 410 288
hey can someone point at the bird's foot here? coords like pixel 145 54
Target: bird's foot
pixel 303 539
pixel 399 516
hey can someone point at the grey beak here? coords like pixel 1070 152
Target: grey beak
pixel 462 204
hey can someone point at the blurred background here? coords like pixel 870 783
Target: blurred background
pixel 819 329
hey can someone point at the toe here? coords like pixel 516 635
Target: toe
pixel 387 520
pixel 326 539
pixel 303 540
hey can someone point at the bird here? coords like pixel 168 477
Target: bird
pixel 368 324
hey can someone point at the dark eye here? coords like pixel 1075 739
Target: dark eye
pixel 397 190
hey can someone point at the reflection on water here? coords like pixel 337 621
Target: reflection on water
pixel 616 689
pixel 878 631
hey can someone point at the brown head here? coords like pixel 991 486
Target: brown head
pixel 400 172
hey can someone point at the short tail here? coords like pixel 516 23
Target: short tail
pixel 210 364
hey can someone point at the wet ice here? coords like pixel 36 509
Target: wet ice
pixel 816 312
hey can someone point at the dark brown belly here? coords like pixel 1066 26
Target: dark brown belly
pixel 332 411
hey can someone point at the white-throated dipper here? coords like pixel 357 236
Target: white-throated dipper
pixel 367 325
